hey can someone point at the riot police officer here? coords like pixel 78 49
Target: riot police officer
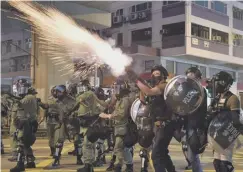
pixel 86 113
pixel 65 104
pixel 58 110
pixel 225 108
pixel 26 125
pixel 194 126
pixel 120 116
pixel 161 114
pixel 52 119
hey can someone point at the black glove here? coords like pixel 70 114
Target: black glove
pixel 38 100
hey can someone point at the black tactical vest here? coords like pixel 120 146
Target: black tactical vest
pixel 222 102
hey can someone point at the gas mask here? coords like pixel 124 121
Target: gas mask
pixel 221 87
pixel 22 88
pixel 82 88
pixel 155 80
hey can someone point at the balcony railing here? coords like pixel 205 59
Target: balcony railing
pixel 173 41
pixel 209 14
pixel 210 45
pixel 173 9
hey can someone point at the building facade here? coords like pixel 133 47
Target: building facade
pixel 207 34
pixel 15 50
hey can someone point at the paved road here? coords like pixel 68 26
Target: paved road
pixel 43 160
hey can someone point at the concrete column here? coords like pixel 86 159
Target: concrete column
pixel 230 14
pixel 188 26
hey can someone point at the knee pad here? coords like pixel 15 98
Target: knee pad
pixel 217 165
pixel 226 166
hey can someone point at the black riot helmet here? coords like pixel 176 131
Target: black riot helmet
pixel 223 81
pixel 83 86
pixel 100 93
pixel 61 91
pixel 120 88
pixel 196 71
pixel 157 78
pixel 54 92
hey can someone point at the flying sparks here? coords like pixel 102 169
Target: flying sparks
pixel 62 40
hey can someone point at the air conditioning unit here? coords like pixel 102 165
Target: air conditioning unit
pixel 125 19
pixel 163 31
pixel 134 16
pixel 206 44
pixel 12 62
pixel 142 15
pixel 147 33
pixel 217 38
pixel 117 19
pixel 28 43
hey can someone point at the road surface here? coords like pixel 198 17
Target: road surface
pixel 44 161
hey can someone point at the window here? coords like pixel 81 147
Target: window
pixel 214 71
pixel 18 46
pixel 119 12
pixel 170 66
pixel 173 29
pixel 237 40
pixel 200 31
pixel 141 7
pixel 142 35
pixel 169 2
pixel 202 3
pixel 203 70
pixel 149 64
pixel 119 39
pixel 27 43
pixel 219 36
pixel 219 6
pixel 8 46
pixel 237 13
pixel 181 68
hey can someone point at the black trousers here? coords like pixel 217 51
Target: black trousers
pixel 160 153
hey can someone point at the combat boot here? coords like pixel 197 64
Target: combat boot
pixel 79 160
pixel 18 168
pixel 118 168
pixel 30 162
pixel 129 168
pixel 56 162
pixel 86 168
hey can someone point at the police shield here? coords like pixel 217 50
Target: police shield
pixel 222 134
pixel 138 109
pixel 141 116
pixel 183 95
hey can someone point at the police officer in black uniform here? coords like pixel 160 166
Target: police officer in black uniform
pixel 224 108
pixel 196 133
pixel 162 117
